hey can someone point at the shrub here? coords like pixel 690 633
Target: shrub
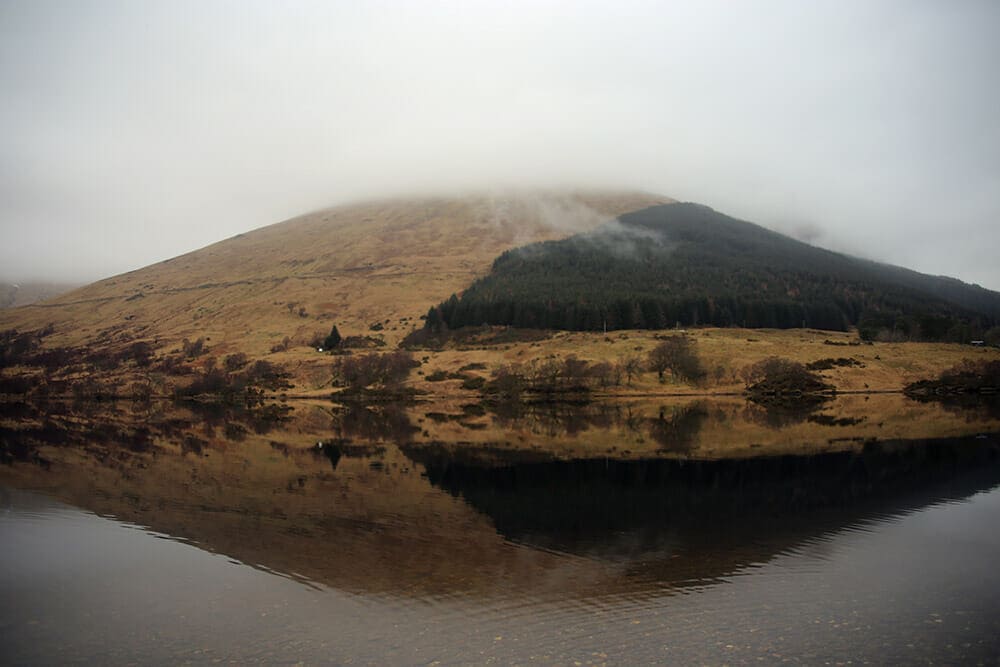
pixel 282 346
pixel 235 362
pixel 437 376
pixel 141 353
pixel 195 349
pixel 384 371
pixel 548 376
pixel 827 364
pixel 361 342
pixel 966 377
pixel 231 384
pixel 775 375
pixel 475 366
pixel 473 382
pixel 603 374
pixel 507 381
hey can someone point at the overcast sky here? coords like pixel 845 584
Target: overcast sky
pixel 134 131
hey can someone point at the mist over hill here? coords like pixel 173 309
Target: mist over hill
pixel 686 264
pixel 556 260
pixel 371 268
pixel 545 259
pixel 13 295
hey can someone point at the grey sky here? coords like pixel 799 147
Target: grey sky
pixel 135 131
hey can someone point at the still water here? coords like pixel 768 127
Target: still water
pixel 704 532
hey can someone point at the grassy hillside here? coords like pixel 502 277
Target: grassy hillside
pixel 881 366
pixel 354 266
pixel 372 270
pixel 687 264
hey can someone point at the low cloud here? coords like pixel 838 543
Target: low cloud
pixel 134 132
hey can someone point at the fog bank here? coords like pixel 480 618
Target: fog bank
pixel 134 132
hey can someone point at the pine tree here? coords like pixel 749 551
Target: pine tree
pixel 333 340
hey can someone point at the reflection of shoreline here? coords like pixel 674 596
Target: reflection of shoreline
pixel 622 429
pixel 692 429
pixel 437 518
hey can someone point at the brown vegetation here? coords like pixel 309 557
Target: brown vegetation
pixel 968 377
pixel 382 372
pixel 779 377
pixel 548 377
pixel 236 380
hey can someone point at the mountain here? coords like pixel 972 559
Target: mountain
pixel 371 268
pixel 687 264
pixel 246 312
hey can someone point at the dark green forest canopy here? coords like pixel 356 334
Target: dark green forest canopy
pixel 690 265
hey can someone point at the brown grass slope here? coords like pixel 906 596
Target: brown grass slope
pixel 352 266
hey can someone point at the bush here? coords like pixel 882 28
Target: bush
pixel 507 381
pixel 282 346
pixel 475 366
pixel 827 364
pixel 473 382
pixel 384 371
pixel 982 377
pixel 141 353
pixel 15 347
pixel 437 376
pixel 231 384
pixel 235 362
pixel 775 375
pixel 195 349
pixel 361 342
pixel 548 376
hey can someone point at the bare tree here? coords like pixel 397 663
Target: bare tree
pixel 676 354
pixel 385 371
pixel 630 366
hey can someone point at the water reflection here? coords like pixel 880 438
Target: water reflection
pixel 971 406
pixel 496 500
pixel 387 422
pixel 689 521
pixel 439 532
pixel 674 428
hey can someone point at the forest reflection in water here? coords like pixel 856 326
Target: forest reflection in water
pixel 722 483
pixel 545 503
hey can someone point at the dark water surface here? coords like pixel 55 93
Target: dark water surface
pixel 619 534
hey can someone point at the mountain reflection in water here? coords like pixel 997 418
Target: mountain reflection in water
pixel 525 508
pixel 703 519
